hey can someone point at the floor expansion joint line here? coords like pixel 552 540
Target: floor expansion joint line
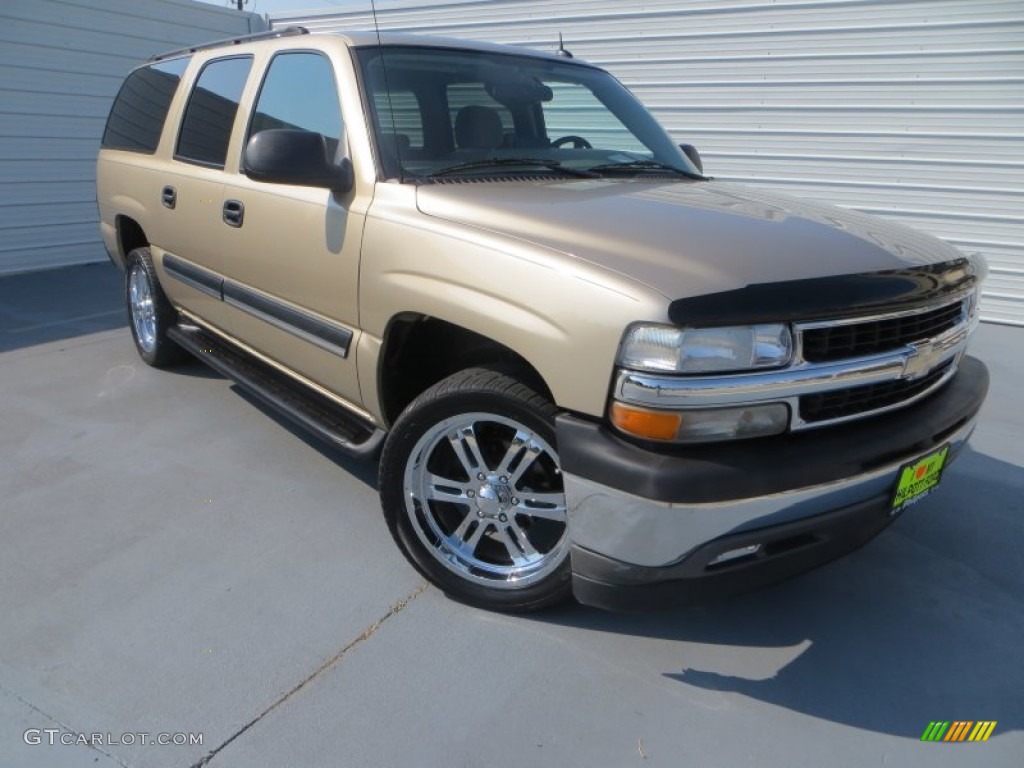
pixel 67 728
pixel 365 635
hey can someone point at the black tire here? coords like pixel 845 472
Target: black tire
pixel 150 314
pixel 497 537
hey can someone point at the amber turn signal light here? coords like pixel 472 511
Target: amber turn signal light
pixel 650 425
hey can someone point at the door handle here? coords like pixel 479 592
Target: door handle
pixel 234 212
pixel 169 197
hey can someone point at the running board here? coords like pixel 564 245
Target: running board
pixel 306 408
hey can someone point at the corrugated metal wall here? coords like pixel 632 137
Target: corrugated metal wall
pixel 911 110
pixel 61 63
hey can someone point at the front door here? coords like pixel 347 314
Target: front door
pixel 292 252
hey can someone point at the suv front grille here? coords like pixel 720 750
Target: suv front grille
pixel 845 369
pixel 841 403
pixel 838 342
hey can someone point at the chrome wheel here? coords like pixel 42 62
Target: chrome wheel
pixel 150 314
pixel 142 308
pixel 484 494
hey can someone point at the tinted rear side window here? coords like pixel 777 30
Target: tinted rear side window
pixel 210 114
pixel 139 111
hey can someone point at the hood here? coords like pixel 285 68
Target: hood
pixel 685 239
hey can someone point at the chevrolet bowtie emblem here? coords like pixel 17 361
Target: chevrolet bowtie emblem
pixel 922 360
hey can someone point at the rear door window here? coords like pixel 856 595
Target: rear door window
pixel 210 114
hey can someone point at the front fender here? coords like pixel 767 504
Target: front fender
pixel 561 314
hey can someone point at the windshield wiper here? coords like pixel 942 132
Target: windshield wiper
pixel 638 166
pixel 502 162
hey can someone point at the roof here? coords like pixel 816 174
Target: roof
pixel 371 38
pixel 366 38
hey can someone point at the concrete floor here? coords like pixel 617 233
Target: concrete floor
pixel 175 560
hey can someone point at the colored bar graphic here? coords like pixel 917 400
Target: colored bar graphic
pixel 958 730
pixel 983 735
pixel 935 730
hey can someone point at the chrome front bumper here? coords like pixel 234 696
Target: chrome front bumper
pixel 642 532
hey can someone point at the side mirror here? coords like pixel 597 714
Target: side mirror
pixel 691 152
pixel 290 156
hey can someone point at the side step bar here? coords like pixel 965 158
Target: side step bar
pixel 306 408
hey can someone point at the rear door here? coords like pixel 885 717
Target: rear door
pixel 193 261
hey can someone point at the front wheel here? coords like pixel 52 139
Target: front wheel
pixel 472 492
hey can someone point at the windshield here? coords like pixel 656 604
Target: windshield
pixel 441 112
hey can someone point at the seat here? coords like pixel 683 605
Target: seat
pixel 478 127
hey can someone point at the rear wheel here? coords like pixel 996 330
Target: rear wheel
pixel 472 491
pixel 150 314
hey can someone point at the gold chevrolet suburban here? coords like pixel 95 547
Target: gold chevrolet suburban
pixel 588 369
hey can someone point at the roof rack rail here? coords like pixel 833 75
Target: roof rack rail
pixel 268 35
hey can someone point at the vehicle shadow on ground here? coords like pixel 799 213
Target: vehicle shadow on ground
pixel 193 368
pixel 59 304
pixel 924 623
pixel 362 469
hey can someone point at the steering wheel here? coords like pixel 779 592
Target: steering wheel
pixel 578 142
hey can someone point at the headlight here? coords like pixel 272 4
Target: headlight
pixel 669 349
pixel 979 266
